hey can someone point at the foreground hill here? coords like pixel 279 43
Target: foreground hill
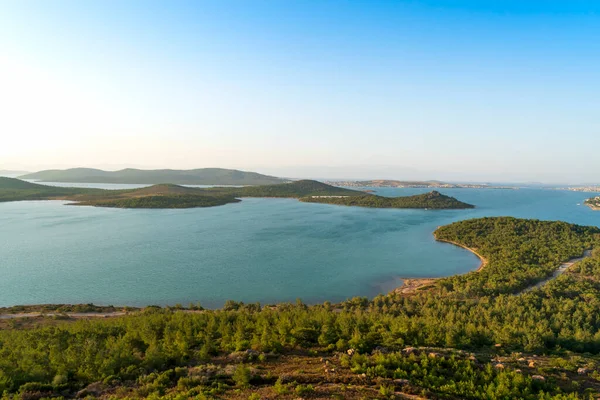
pixel 468 337
pixel 202 176
pixel 433 200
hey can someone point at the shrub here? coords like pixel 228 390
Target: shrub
pixel 242 376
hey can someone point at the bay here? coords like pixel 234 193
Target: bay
pixel 265 250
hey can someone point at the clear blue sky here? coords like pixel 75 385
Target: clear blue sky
pixel 456 90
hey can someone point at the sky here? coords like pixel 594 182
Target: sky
pixel 453 90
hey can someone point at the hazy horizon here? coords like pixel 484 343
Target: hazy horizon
pixel 364 172
pixel 446 90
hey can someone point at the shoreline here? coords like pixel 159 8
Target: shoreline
pixel 412 285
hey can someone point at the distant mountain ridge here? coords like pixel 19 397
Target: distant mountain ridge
pixel 11 173
pixel 201 176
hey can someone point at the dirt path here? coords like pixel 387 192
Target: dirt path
pixel 68 314
pixel 561 269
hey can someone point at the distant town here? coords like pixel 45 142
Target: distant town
pixel 415 184
pixel 592 189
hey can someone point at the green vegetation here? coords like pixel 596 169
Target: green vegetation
pixel 519 252
pixel 453 341
pixel 202 176
pixel 431 200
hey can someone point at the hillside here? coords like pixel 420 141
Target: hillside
pixel 433 200
pixel 202 176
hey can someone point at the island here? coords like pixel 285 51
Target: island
pixel 593 203
pixel 176 196
pixel 472 336
pixel 432 201
pixel 200 176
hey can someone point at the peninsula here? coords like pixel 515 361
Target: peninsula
pixel 175 196
pixel 593 203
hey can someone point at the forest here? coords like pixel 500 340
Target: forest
pixel 454 340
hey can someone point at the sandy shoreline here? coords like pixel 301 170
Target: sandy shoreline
pixel 412 285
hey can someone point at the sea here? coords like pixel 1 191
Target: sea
pixel 258 250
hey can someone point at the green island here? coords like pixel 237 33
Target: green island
pixel 200 176
pixel 593 203
pixel 473 336
pixel 175 196
pixel 431 200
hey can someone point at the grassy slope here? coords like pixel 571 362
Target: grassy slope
pixel 202 176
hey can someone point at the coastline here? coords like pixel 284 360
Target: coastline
pixel 412 285
pixel 483 260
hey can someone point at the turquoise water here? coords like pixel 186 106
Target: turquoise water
pixel 266 250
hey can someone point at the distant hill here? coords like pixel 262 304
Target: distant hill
pixel 202 176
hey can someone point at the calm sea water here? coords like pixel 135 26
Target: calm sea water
pixel 267 250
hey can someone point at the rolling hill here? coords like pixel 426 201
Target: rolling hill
pixel 202 176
